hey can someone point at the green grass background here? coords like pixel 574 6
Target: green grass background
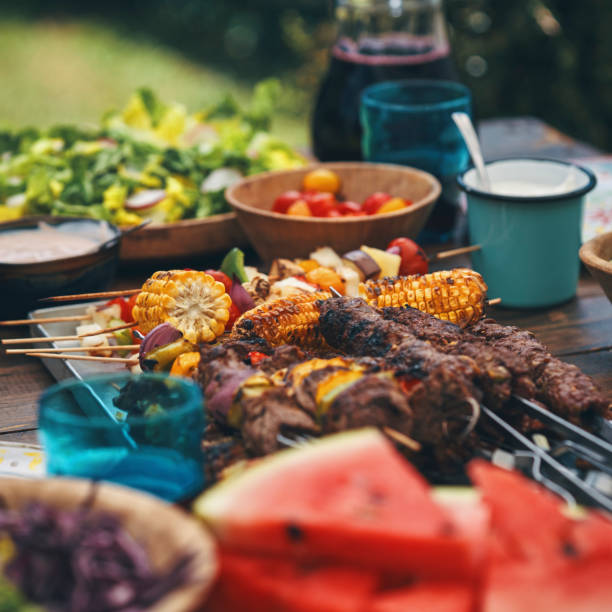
pixel 59 72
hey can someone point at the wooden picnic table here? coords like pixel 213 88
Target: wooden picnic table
pixel 579 331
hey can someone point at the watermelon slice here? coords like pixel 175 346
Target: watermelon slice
pixel 527 519
pixel 426 597
pixel 347 498
pixel 250 584
pixel 546 560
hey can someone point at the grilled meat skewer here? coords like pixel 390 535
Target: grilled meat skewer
pixel 563 387
pixel 447 398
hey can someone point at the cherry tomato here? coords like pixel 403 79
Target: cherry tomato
pixel 334 212
pixel 234 313
pixel 299 209
pixel 322 179
pixel 125 311
pixel 372 203
pixel 414 260
pixel 285 200
pixel 348 207
pixel 391 206
pixel 221 277
pixel 256 357
pixel 321 204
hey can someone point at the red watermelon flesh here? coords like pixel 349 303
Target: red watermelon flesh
pixel 583 586
pixel 549 561
pixel 526 519
pixel 590 538
pixel 426 597
pixel 251 584
pixel 346 498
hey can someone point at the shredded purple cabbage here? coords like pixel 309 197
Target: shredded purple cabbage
pixel 83 560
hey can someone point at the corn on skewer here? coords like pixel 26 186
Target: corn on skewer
pixel 290 320
pixel 192 302
pixel 455 295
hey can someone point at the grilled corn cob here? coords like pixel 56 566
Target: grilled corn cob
pixel 451 295
pixel 193 302
pixel 290 320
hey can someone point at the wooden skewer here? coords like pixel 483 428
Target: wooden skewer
pixel 89 296
pixel 132 360
pixel 101 332
pixel 109 329
pixel 403 439
pixel 82 317
pixel 35 340
pixel 459 251
pixel 494 301
pixel 76 349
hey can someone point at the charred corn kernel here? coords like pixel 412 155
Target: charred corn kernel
pixel 451 295
pixel 308 264
pixel 193 302
pixel 326 278
pixel 290 320
pixel 185 364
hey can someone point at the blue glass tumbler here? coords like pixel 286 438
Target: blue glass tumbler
pixel 409 123
pixel 141 431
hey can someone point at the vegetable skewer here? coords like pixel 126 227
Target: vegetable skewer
pixel 100 332
pixel 76 349
pixel 110 294
pixel 127 360
pixel 90 296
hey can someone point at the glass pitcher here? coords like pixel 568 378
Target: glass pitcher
pixel 378 40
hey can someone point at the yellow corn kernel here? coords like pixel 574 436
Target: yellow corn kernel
pixel 455 295
pixel 290 320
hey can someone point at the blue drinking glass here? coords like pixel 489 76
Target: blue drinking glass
pixel 409 123
pixel 142 431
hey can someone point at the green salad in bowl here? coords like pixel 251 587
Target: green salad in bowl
pixel 151 161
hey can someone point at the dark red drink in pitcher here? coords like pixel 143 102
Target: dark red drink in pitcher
pixel 379 40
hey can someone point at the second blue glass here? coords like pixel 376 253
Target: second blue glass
pixel 409 123
pixel 141 431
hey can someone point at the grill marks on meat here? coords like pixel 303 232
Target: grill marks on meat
pixel 442 406
pixel 224 367
pixel 500 371
pixel 371 401
pixel 561 386
pixel 270 414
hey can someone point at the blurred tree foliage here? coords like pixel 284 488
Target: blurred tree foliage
pixel 547 58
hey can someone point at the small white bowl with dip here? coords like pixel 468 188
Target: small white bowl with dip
pixel 528 225
pixel 45 256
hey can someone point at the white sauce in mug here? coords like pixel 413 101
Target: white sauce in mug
pixel 521 188
pixel 42 244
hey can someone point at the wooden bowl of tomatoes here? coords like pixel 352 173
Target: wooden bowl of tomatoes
pixel 343 205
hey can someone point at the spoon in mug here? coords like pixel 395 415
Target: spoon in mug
pixel 464 123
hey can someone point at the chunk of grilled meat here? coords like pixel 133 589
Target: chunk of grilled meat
pixel 501 372
pixel 561 386
pixel 371 401
pixel 272 413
